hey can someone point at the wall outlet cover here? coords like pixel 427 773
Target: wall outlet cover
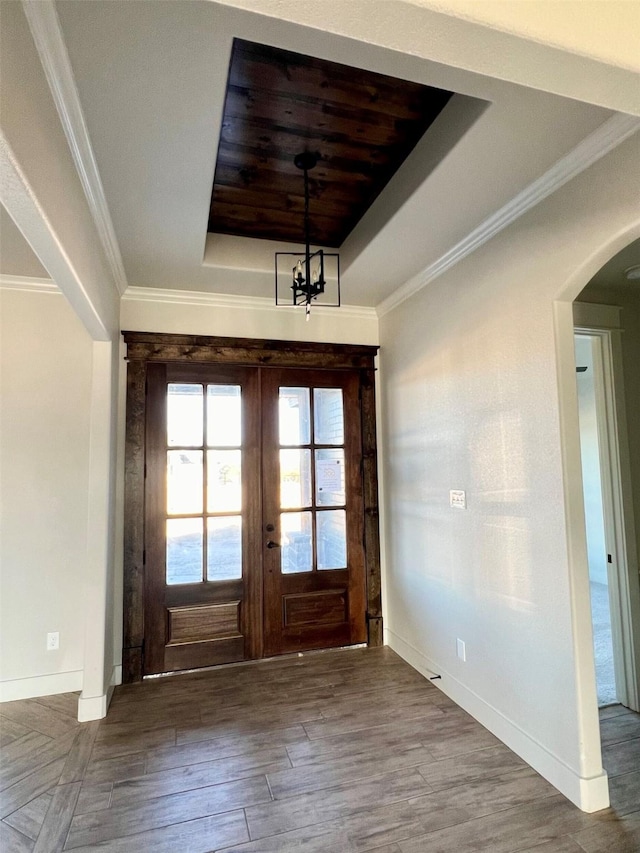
pixel 53 641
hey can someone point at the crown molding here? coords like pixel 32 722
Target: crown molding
pixel 603 140
pixel 229 300
pixel 49 40
pixel 28 284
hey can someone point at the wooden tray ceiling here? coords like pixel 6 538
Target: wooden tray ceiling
pixel 277 104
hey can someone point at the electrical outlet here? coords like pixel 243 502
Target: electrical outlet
pixel 461 649
pixel 53 641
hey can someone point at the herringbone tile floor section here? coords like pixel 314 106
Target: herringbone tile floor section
pixel 340 752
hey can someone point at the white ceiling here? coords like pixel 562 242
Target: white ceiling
pixel 151 78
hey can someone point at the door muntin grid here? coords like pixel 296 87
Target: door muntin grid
pixel 312 479
pixel 203 523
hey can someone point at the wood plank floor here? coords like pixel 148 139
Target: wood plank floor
pixel 340 752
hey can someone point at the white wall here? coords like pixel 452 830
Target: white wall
pixel 187 312
pixel 42 191
pixel 590 454
pixel 104 542
pixel 470 395
pixel 46 363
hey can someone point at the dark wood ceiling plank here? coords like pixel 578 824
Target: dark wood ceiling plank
pixel 283 72
pixel 279 103
pixel 329 118
pixel 274 200
pixel 350 171
pixel 272 224
pixel 287 141
pixel 255 179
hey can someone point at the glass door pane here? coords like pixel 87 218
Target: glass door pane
pixel 332 539
pixel 224 548
pixel 224 416
pixel 184 550
pixel 224 481
pixel 294 416
pixel 297 542
pixel 330 477
pixel 295 478
pixel 184 415
pixel 328 416
pixel 184 482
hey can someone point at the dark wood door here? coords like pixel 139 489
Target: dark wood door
pixel 253 513
pixel 314 582
pixel 202 510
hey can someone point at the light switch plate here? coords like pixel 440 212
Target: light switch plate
pixel 458 498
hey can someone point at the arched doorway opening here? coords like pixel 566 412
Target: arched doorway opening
pixel 579 298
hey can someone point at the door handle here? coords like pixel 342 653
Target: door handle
pixel 272 544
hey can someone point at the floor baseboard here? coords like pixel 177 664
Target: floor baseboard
pixel 40 685
pixel 589 794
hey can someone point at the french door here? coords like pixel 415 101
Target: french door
pixel 254 516
pixel 314 582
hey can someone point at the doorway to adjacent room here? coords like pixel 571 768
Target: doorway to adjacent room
pixel 603 492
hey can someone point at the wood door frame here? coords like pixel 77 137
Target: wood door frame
pixel 146 347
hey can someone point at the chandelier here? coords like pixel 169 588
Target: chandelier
pixel 312 276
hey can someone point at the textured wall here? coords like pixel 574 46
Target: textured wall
pixel 44 454
pixel 190 314
pixel 470 396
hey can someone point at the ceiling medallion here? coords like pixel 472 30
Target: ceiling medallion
pixel 310 276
